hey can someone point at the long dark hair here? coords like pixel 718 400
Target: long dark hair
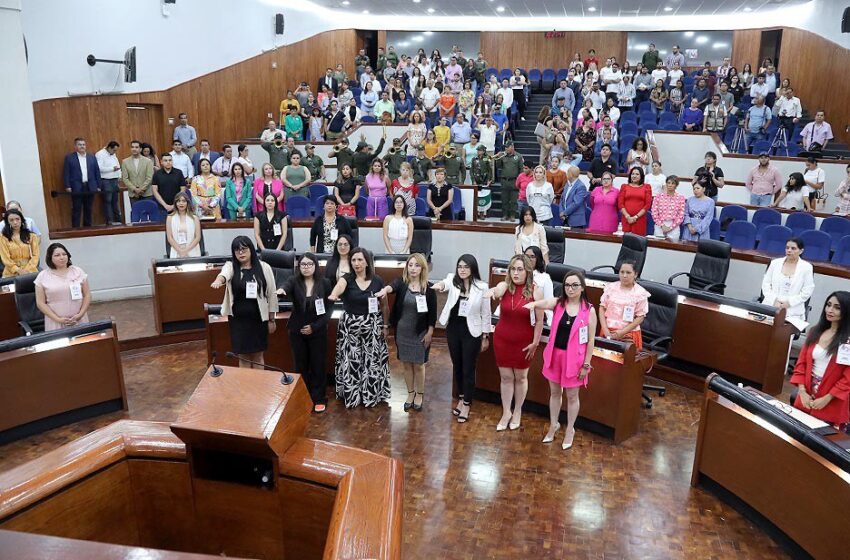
pixel 799 181
pixel 473 271
pixel 539 263
pixel 823 325
pixel 367 255
pixel 317 275
pixel 580 275
pixel 259 277
pixel 7 227
pixel 333 263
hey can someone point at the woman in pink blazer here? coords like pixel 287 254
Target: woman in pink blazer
pixel 267 183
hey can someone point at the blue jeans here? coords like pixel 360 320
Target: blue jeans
pixel 753 137
pixel 761 199
pixel 432 119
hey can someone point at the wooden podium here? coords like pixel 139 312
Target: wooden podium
pixel 232 476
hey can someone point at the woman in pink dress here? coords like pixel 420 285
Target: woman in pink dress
pixel 378 186
pixel 62 291
pixel 566 358
pixel 604 215
pixel 267 184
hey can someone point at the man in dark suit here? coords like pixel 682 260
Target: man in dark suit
pixel 206 154
pixel 82 179
pixel 328 80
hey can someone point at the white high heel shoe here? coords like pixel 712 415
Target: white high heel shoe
pixel 566 445
pixel 550 438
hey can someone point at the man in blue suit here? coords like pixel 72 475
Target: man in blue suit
pixel 82 179
pixel 574 200
pixel 205 153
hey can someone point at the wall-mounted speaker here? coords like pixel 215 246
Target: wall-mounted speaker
pixel 845 21
pixel 278 24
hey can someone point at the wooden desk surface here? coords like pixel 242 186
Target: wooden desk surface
pixel 799 491
pixel 8 313
pixel 180 292
pixel 59 377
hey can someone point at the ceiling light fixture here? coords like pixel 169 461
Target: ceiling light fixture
pixel 748 9
pixel 689 33
pixel 365 11
pixel 668 9
pixel 718 46
pixel 431 10
pixel 345 2
pixel 500 9
pixel 416 1
pixel 701 40
pixel 427 32
pixel 591 9
pixel 418 38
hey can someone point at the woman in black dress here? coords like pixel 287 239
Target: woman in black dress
pixel 413 317
pixel 339 264
pixel 440 196
pixel 308 326
pixel 271 227
pixel 362 360
pixel 347 191
pixel 250 301
pixel 327 228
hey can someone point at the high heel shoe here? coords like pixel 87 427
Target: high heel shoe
pixel 456 410
pixel 418 407
pixel 461 417
pixel 502 426
pixel 515 425
pixel 407 405
pixel 550 438
pixel 567 445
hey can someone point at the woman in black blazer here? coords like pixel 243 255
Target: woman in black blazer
pixel 308 326
pixel 327 228
pixel 413 316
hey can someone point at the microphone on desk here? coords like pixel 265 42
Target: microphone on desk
pixel 216 370
pixel 285 379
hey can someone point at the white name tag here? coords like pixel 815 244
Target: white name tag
pixel 320 306
pixel 421 304
pixel 277 229
pixel 76 291
pixel 334 234
pixel 629 313
pixel 843 356
pixel 373 305
pixel 251 290
pixel 464 308
pixel 182 238
pixel 582 335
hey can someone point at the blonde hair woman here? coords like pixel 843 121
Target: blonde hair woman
pixel 413 317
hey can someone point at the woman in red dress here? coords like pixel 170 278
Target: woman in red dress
pixel 515 339
pixel 822 373
pixel 634 201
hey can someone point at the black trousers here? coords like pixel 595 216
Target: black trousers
pixel 309 354
pixel 463 350
pixel 519 97
pixel 81 202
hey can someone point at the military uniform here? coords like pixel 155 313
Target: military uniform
pixel 421 167
pixel 394 162
pixel 360 64
pixel 314 164
pixel 362 160
pixel 278 154
pixel 455 169
pixel 381 63
pixel 510 166
pixel 482 175
pixel 480 70
pixel 343 157
pixel 392 57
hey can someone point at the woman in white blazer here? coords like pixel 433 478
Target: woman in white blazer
pixel 466 316
pixel 789 281
pixel 530 233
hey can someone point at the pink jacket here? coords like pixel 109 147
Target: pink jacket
pixel 575 351
pixel 277 188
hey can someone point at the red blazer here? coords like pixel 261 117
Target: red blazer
pixel 836 382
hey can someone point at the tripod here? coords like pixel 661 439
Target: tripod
pixel 780 140
pixel 740 140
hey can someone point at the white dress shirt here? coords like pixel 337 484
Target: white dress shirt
pixel 183 163
pixel 83 167
pixel 107 163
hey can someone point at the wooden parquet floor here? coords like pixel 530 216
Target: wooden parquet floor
pixel 473 493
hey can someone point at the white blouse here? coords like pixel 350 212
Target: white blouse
pixel 541 197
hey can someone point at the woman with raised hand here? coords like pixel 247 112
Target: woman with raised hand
pixel 567 356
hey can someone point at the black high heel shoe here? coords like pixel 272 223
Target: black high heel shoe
pixel 417 407
pixel 407 405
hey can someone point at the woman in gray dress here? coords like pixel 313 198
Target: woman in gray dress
pixel 413 315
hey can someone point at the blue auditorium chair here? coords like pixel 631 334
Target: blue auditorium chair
pixel 837 227
pixel 764 217
pixel 548 83
pixel 741 234
pixel 145 211
pixel 817 245
pixel 842 252
pixel 535 79
pixel 298 207
pixel 773 240
pixel 799 222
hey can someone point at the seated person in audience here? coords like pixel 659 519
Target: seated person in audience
pixel 842 195
pixel 206 192
pixel 668 210
pixel 710 176
pixel 817 134
pixel 822 373
pixel 271 226
pixel 623 307
pixel 18 246
pixel 398 228
pixel 789 281
pixel 600 165
pixel 692 117
pixel 15 205
pixel 574 201
pixel 62 291
pixel 183 229
pixel 238 194
pixel 794 195
pixel 327 228
pixel 167 182
pixel 699 212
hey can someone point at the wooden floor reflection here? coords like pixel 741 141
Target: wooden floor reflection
pixel 473 493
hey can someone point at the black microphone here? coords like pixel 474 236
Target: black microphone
pixel 285 379
pixel 216 371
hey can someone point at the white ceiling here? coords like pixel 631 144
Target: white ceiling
pixel 553 8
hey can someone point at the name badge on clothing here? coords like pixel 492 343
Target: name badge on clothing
pixel 421 304
pixel 251 290
pixel 463 310
pixel 373 305
pixel 334 234
pixel 582 335
pixel 320 306
pixel 277 230
pixel 843 356
pixel 182 238
pixel 76 291
pixel 629 313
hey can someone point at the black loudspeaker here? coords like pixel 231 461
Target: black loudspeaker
pixel 845 21
pixel 278 24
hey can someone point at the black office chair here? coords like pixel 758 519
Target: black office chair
pixel 558 272
pixel 355 230
pixel 422 238
pixel 557 244
pixel 202 245
pixel 282 263
pixel 31 317
pixel 657 327
pixel 634 249
pixel 710 268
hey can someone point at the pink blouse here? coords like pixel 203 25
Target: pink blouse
pixel 615 299
pixel 376 185
pixel 668 210
pixel 57 294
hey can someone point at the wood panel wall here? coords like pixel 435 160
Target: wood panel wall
pixel 224 105
pixel 745 47
pixel 526 49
